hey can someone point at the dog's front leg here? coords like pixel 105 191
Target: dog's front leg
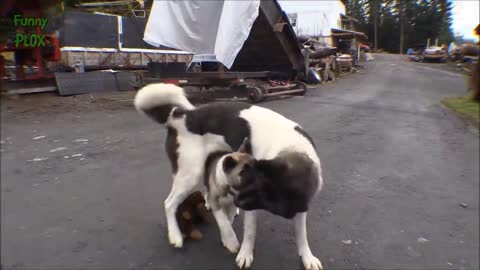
pixel 184 183
pixel 310 262
pixel 229 238
pixel 232 211
pixel 245 256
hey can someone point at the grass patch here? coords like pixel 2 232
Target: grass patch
pixel 466 107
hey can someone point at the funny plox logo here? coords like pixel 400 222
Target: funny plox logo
pixel 32 39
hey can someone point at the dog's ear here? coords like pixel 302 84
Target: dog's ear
pixel 229 163
pixel 245 147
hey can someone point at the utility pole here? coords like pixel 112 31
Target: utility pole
pixel 375 26
pixel 402 23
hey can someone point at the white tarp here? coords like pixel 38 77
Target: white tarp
pixel 202 26
pixel 315 17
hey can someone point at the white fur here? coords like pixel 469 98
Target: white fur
pixel 158 94
pixel 193 150
pixel 271 133
pixel 310 262
pixel 223 208
pixel 229 238
pixel 245 255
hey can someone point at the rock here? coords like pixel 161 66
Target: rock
pixel 57 149
pixel 464 205
pixel 37 159
pixel 80 246
pixel 422 240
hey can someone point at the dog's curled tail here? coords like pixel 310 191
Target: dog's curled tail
pixel 157 101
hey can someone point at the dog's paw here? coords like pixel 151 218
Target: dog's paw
pixel 175 240
pixel 311 262
pixel 244 258
pixel 207 206
pixel 196 234
pixel 231 243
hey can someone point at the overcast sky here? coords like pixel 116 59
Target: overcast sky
pixel 466 17
pixel 465 13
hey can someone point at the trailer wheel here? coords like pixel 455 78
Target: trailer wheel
pixel 255 94
pixel 301 85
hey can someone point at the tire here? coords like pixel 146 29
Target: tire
pixel 255 94
pixel 302 85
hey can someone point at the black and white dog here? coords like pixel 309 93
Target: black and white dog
pixel 287 172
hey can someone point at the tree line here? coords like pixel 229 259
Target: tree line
pixel 395 25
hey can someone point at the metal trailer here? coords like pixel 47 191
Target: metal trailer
pixel 258 85
pixel 271 62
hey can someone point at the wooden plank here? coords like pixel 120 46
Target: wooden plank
pixel 33 90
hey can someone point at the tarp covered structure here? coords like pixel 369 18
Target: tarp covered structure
pixel 315 17
pixel 202 27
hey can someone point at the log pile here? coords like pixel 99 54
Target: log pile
pixel 465 51
pixel 322 57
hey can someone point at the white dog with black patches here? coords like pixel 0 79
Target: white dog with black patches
pixel 285 177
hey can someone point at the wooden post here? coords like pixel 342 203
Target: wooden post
pixel 358 53
pixel 307 60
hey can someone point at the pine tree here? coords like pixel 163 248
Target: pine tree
pixel 396 25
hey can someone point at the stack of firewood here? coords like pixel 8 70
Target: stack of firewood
pixel 321 57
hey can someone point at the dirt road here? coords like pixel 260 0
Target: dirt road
pixel 84 187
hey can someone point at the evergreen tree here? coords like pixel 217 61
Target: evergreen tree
pixel 395 25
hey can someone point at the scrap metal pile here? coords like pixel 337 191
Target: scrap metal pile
pixel 325 60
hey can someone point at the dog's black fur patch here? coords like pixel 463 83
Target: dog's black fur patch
pixel 305 134
pixel 210 165
pixel 160 113
pixel 178 112
pixel 248 146
pixel 221 118
pixel 283 186
pixel 228 164
pixel 171 147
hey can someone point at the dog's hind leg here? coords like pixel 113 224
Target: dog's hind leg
pixel 245 255
pixel 310 262
pixel 184 183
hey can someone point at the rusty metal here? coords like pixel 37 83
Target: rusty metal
pixel 280 93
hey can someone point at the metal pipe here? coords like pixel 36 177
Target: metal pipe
pixel 284 92
pixel 286 87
